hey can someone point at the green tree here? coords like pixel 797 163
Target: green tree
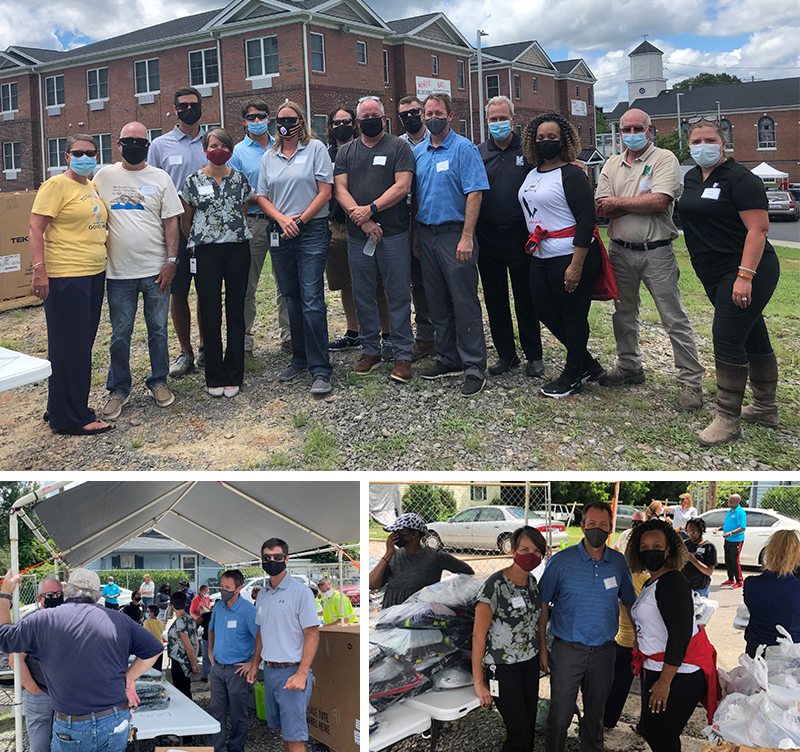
pixel 430 502
pixel 600 118
pixel 30 550
pixel 707 79
pixel 784 500
pixel 670 142
pixel 666 490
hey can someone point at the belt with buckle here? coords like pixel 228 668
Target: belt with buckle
pixel 89 716
pixel 273 664
pixel 649 246
pixel 444 227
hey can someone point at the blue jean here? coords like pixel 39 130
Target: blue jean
pixel 300 270
pixel 106 734
pixel 123 300
pixel 206 661
pixel 703 591
pixel 38 720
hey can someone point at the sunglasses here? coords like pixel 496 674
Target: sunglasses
pixel 633 129
pixel 288 120
pixel 82 152
pixel 252 117
pixel 344 121
pixel 273 557
pixel 54 594
pixel 183 106
pixel 131 141
pixel 415 111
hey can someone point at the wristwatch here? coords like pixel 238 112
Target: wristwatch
pixel 6 596
pixel 173 259
pixel 373 208
pixel 299 221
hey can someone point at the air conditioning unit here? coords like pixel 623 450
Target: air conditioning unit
pixel 262 82
pixel 8 116
pixel 54 110
pixel 146 98
pixel 101 105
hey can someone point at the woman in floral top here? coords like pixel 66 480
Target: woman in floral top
pixel 182 645
pixel 505 647
pixel 215 202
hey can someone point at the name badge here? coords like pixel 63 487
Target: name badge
pixel 494 688
pixel 443 166
pixel 712 193
pixel 518 602
pixel 205 190
pixel 610 583
pixel 176 159
pixel 148 190
pixel 232 624
pixel 192 265
pixel 274 240
pixel 379 160
pixel 645 185
pixel 302 159
pixel 520 161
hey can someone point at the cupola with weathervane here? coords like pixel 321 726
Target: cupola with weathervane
pixel 647 72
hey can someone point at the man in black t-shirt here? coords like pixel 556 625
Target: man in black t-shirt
pixel 372 178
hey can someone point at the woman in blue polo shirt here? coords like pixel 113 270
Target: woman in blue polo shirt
pixel 725 222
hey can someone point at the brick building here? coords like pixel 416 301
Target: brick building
pixel 759 117
pixel 320 53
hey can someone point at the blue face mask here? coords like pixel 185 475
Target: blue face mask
pixel 258 127
pixel 500 129
pixel 635 141
pixel 83 165
pixel 706 155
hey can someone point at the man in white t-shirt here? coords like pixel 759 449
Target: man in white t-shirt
pixel 143 210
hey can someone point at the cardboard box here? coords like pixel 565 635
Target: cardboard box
pixel 15 251
pixel 333 713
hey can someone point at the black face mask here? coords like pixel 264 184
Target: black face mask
pixel 136 600
pixel 547 149
pixel 412 123
pixel 372 127
pixel 436 125
pixel 652 560
pixel 53 601
pixel 190 116
pixel 596 536
pixel 342 132
pixel 401 542
pixel 134 154
pixel 273 568
pixel 289 131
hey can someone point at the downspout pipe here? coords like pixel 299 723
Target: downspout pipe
pixel 215 35
pixel 306 64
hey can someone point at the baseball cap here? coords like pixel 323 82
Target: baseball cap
pixel 408 520
pixel 85 579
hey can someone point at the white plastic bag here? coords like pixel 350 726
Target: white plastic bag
pixel 742 618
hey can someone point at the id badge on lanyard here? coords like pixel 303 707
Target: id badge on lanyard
pixel 494 685
pixel 193 263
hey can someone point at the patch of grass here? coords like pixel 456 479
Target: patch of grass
pixel 319 448
pixel 254 365
pixel 137 442
pixel 185 385
pixel 386 446
pixel 280 461
pixel 300 419
pixel 473 443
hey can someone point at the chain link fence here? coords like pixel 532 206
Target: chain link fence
pixel 781 496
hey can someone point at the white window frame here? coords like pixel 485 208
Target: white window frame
pixel 150 135
pixel 205 127
pixel 463 129
pixel 461 74
pixel 774 143
pixel 14 157
pixel 434 65
pixel 147 62
pixel 98 98
pixel 517 86
pixel 361 45
pixel 100 138
pixel 323 120
pixel 386 67
pixel 16 96
pixel 497 78
pixel 202 53
pixel 729 133
pixel 535 85
pixel 312 53
pixel 260 40
pixel 55 91
pixel 62 160
pixel 578 90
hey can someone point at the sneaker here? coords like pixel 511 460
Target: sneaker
pixel 727 582
pixel 736 585
pixel 504 365
pixel 690 398
pixel 472 385
pixel 345 342
pixel 439 370
pixel 231 391
pixel 290 372
pixel 387 348
pixel 184 363
pixel 200 361
pixel 216 391
pixel 113 408
pixel 423 348
pixel 321 385
pixel 534 369
pixel 401 371
pixel 618 376
pixel 163 396
pixel 594 372
pixel 563 386
pixel 286 346
pixel 367 364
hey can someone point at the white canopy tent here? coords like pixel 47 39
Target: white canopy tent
pixel 225 521
pixel 768 173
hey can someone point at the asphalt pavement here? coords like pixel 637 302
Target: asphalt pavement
pixel 785 233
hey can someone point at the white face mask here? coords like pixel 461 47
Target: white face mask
pixel 328 593
pixel 706 155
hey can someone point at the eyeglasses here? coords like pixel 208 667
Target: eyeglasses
pixel 183 106
pixel 273 557
pixel 415 112
pixel 52 595
pixel 130 141
pixel 82 152
pixel 701 119
pixel 253 116
pixel 343 121
pixel 288 120
pixel 632 129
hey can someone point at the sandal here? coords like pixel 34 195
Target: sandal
pixel 83 431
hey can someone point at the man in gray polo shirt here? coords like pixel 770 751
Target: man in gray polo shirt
pixel 287 643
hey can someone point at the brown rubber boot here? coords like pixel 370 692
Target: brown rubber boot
pixel 763 382
pixel 731 383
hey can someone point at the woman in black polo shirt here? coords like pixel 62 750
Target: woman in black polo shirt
pixel 725 222
pixel 702 557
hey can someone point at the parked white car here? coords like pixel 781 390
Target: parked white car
pixel 487 528
pixel 251 582
pixel 761 524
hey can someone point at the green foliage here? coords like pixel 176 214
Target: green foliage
pixel 784 500
pixel 430 502
pixel 132 578
pixel 634 492
pixel 602 123
pixel 667 490
pixel 670 142
pixel 331 557
pixel 30 550
pixel 707 79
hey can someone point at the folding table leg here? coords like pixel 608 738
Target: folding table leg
pixel 435 728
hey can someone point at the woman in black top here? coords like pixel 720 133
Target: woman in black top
pixel 702 557
pixel 725 222
pixel 135 609
pixel 664 618
pixel 558 206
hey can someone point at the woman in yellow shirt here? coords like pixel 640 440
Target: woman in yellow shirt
pixel 68 253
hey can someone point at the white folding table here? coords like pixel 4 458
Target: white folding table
pixel 182 718
pixel 18 369
pixel 449 705
pixel 398 722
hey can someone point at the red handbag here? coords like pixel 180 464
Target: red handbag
pixel 605 286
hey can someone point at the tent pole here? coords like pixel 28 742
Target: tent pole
pixel 13 535
pixel 527 500
pixel 39 494
pixel 341 587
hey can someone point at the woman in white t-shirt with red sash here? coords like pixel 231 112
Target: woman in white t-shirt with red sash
pixel 558 205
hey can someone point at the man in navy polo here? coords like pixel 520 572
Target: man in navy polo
pixel 450 182
pixel 583 585
pixel 231 639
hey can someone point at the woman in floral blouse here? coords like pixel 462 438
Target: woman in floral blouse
pixel 182 645
pixel 215 203
pixel 505 646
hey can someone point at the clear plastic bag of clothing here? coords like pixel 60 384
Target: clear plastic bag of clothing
pixel 458 592
pixel 421 615
pixel 391 680
pixel 411 645
pixel 451 678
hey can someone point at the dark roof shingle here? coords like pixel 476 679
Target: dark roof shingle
pixel 405 25
pixel 644 48
pixel 508 51
pixel 566 66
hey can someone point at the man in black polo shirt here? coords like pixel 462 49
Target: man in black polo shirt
pixel 502 235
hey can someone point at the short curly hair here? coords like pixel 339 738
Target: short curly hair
pixel 570 140
pixel 678 555
pixel 699 523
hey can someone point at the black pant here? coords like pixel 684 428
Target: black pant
pixel 217 262
pixel 72 310
pixel 423 328
pixel 662 731
pixel 518 702
pixel 112 606
pixel 623 678
pixel 733 550
pixel 503 253
pixel 180 680
pixel 566 314
pixel 737 332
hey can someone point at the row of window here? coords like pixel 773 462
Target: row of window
pixel 493 87
pixel 765 132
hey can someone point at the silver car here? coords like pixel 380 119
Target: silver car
pixel 783 204
pixel 488 528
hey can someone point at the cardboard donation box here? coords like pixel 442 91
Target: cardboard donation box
pixel 724 746
pixel 333 716
pixel 15 251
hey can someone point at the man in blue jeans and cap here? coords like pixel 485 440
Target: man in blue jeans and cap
pixel 287 643
pixel 83 652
